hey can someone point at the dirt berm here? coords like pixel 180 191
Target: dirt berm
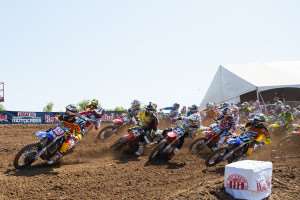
pixel 92 172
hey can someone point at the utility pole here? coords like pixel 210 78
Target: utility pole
pixel 1 91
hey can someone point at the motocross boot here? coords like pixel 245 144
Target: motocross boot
pixel 55 158
pixel 140 150
pixel 176 151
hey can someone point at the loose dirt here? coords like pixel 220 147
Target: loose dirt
pixel 92 172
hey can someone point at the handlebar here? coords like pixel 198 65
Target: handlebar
pixel 85 118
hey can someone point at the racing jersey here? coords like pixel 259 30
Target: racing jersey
pixel 227 122
pixel 259 130
pixel 148 120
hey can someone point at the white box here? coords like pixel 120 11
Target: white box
pixel 249 179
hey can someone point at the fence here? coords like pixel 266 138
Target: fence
pixel 21 117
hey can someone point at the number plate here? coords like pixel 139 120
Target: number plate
pixel 58 131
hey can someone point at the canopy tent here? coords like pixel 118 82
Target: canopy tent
pixel 232 81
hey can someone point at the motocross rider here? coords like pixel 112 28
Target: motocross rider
pixel 192 110
pixel 245 109
pixel 183 111
pixel 174 110
pixel 296 112
pixel 210 110
pixel 148 122
pixel 287 116
pixel 96 112
pixel 226 122
pixel 279 106
pixel 236 115
pixel 256 130
pixel 134 110
pixel 189 126
pixel 69 120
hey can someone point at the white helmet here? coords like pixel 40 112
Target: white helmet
pixel 235 109
pixel 194 120
pixel 209 105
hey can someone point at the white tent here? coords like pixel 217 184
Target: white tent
pixel 232 81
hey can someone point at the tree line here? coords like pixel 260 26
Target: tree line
pixel 81 106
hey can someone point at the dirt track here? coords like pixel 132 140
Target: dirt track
pixel 91 172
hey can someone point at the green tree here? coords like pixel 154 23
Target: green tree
pixel 48 107
pixel 119 109
pixel 82 104
pixel 2 107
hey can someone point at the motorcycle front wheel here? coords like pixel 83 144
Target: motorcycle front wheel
pixel 26 156
pixel 155 154
pixel 216 157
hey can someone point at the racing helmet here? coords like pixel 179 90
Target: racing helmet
pixel 224 105
pixel 210 105
pixel 136 104
pixel 226 111
pixel 71 110
pixel 235 109
pixel 193 109
pixel 245 104
pixel 260 118
pixel 176 105
pixel 194 120
pixel 93 103
pixel 151 107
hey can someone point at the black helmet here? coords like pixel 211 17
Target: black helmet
pixel 136 104
pixel 151 107
pixel 224 105
pixel 71 110
pixel 226 111
pixel 176 105
pixel 193 109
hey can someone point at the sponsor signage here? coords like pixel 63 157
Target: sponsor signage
pixel 237 182
pixel 3 118
pixel 21 117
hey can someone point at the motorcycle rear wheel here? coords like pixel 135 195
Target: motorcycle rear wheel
pixel 106 132
pixel 197 146
pixel 31 150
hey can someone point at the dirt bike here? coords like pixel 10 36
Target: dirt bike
pixel 130 142
pixel 165 148
pixel 49 143
pixel 170 116
pixel 235 149
pixel 210 139
pixel 117 124
pixel 94 116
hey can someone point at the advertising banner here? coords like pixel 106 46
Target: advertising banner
pixel 21 117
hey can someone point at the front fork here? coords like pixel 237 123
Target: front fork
pixel 169 148
pixel 230 153
pixel 44 149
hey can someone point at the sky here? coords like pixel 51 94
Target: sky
pixel 164 51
